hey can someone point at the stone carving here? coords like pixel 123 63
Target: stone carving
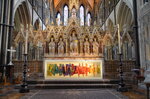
pixel 52 47
pixel 73 44
pixel 95 47
pixel 86 47
pixel 61 46
pixel 70 40
pixel 73 3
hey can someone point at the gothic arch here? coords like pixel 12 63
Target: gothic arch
pixel 17 3
pixel 126 37
pixel 73 25
pixel 21 16
pixel 125 15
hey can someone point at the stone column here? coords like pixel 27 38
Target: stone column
pixel 4 33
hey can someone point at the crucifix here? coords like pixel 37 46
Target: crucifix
pixel 11 50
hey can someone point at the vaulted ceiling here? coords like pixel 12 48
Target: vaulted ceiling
pixel 88 2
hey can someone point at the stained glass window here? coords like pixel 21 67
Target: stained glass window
pixel 66 15
pixel 89 19
pixel 58 19
pixel 82 16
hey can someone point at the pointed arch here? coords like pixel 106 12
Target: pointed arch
pixel 124 15
pixel 82 10
pixel 58 16
pixel 66 14
pixel 89 19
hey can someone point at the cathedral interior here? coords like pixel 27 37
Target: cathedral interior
pixel 74 44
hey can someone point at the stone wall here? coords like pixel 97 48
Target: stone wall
pixel 144 34
pixel 35 69
pixel 111 70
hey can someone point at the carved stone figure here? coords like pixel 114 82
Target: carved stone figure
pixel 52 47
pixel 61 46
pixel 74 13
pixel 73 44
pixel 95 47
pixel 86 47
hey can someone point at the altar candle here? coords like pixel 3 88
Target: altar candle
pixel 26 43
pixel 119 39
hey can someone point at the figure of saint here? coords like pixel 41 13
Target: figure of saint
pixel 52 47
pixel 61 47
pixel 73 44
pixel 95 47
pixel 86 47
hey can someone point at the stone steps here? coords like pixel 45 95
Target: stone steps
pixel 68 84
pixel 105 81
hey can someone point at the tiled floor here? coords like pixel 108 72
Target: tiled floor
pixel 74 94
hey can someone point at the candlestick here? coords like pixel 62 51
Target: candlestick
pixel 119 39
pixel 26 43
pixel 24 87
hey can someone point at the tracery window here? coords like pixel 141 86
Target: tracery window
pixel 88 19
pixel 66 12
pixel 58 19
pixel 82 16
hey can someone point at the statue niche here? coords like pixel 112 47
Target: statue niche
pixel 74 44
pixel 52 46
pixel 61 47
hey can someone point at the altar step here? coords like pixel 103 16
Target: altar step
pixel 72 84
